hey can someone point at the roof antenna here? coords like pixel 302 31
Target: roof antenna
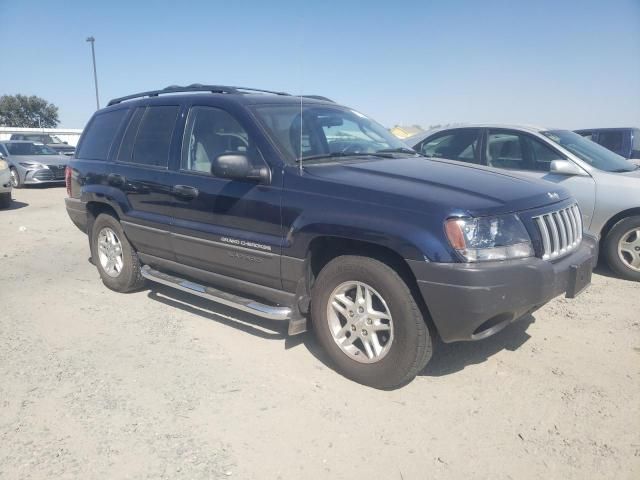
pixel 300 158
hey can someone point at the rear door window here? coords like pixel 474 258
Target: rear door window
pixel 100 134
pixel 613 140
pixel 148 137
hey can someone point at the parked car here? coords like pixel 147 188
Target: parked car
pixel 623 141
pixel 606 186
pixel 5 181
pixel 33 163
pixel 289 207
pixel 51 141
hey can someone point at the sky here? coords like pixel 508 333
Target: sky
pixel 556 63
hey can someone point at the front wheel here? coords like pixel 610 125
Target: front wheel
pixel 15 178
pixel 368 322
pixel 622 248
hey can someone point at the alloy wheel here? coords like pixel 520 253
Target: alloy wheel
pixel 629 249
pixel 360 322
pixel 110 252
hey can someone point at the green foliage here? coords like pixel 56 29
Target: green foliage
pixel 24 111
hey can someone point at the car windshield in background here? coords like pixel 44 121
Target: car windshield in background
pixel 28 148
pixel 316 132
pixel 589 151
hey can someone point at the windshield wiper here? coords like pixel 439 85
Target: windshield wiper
pixel 410 151
pixel 343 154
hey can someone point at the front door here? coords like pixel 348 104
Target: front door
pixel 228 227
pixel 530 157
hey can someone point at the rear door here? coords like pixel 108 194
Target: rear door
pixel 528 156
pixel 141 173
pixel 229 227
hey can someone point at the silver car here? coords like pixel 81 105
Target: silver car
pixel 33 163
pixel 606 185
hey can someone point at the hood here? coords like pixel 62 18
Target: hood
pixel 43 159
pixel 424 183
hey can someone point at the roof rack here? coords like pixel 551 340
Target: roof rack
pixel 195 87
pixel 318 97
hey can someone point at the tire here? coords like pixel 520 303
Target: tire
pixel 626 264
pixel 410 348
pixel 5 200
pixel 127 277
pixel 15 178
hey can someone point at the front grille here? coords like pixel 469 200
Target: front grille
pixel 43 175
pixel 561 231
pixel 57 171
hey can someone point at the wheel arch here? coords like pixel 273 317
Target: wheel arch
pixel 615 219
pixel 322 249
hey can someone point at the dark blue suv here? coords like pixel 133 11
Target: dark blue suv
pixel 294 208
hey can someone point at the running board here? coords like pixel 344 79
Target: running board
pixel 218 296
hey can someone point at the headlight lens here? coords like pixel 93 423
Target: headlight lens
pixel 489 238
pixel 3 165
pixel 32 165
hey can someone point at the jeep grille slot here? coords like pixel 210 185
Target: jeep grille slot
pixel 561 231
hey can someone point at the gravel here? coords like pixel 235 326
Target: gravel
pixel 158 384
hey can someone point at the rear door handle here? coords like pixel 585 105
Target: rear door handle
pixel 185 192
pixel 116 180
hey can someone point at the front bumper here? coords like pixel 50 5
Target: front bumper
pixel 474 301
pixel 5 181
pixel 44 175
pixel 77 211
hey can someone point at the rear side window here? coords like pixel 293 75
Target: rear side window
pixel 148 136
pixel 99 136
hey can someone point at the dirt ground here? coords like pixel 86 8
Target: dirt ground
pixel 161 385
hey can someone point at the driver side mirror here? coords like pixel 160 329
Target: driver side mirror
pixel 566 167
pixel 236 166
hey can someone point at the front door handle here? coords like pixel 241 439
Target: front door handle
pixel 185 192
pixel 116 180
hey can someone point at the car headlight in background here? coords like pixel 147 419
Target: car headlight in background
pixel 489 238
pixel 3 165
pixel 34 166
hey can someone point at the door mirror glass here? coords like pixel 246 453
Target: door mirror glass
pixel 236 166
pixel 566 167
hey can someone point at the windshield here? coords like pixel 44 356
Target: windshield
pixel 326 131
pixel 54 139
pixel 592 153
pixel 28 148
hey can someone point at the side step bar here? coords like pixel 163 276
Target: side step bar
pixel 218 296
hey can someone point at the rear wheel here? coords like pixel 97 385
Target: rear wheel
pixel 622 248
pixel 367 320
pixel 15 178
pixel 113 255
pixel 5 200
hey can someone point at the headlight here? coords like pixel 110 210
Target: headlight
pixel 489 238
pixel 3 165
pixel 35 166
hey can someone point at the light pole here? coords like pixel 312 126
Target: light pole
pixel 95 75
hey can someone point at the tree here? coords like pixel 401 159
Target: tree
pixel 24 111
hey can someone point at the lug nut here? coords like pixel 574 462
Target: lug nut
pixel 353 328
pixel 364 332
pixel 351 313
pixel 369 322
pixel 360 310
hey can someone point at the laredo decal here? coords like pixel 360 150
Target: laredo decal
pixel 245 243
pixel 244 256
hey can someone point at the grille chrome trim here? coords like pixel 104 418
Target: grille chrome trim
pixel 561 231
